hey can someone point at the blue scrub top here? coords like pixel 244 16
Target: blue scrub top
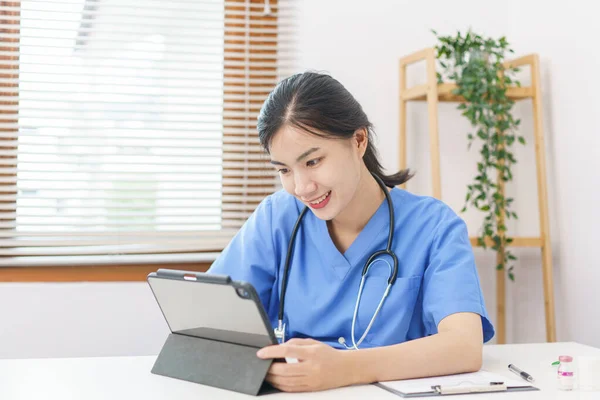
pixel 436 271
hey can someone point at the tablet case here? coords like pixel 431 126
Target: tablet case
pixel 212 362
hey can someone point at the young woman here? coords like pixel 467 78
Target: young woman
pixel 421 311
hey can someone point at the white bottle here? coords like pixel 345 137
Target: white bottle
pixel 566 380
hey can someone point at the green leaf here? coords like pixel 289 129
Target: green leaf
pixel 499 267
pixel 511 276
pixel 485 208
pixel 521 140
pixel 481 242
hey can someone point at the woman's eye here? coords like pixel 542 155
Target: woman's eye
pixel 283 171
pixel 312 163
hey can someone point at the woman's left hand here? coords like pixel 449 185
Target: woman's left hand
pixel 319 366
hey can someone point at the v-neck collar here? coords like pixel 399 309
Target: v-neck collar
pixel 342 263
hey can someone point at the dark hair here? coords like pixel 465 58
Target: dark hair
pixel 319 104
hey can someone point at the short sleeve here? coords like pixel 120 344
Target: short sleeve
pixel 249 256
pixel 451 283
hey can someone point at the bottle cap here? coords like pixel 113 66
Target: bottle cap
pixel 565 358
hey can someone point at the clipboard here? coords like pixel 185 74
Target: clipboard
pixel 217 325
pixel 470 383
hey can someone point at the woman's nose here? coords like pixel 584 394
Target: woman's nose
pixel 304 186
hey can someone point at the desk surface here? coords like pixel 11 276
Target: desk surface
pixel 130 378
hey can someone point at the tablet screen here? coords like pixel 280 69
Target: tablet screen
pixel 212 311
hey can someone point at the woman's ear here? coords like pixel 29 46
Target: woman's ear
pixel 361 141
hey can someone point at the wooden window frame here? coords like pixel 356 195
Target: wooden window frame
pixel 92 273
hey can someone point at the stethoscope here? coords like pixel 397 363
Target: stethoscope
pixel 280 330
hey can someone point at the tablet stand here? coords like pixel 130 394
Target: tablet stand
pixel 211 362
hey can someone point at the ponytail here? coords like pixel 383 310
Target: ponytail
pixel 371 160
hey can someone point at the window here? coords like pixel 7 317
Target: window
pixel 129 126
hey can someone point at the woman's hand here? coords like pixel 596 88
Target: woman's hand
pixel 319 366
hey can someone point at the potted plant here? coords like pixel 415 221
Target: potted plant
pixel 476 65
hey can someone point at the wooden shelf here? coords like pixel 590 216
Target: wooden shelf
pixel 517 242
pixel 433 92
pixel 444 92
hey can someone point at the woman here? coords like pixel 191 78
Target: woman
pixel 433 320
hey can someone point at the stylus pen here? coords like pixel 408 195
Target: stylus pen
pixel 521 373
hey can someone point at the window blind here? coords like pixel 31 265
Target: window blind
pixel 128 127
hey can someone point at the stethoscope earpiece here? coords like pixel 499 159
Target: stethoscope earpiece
pixel 342 341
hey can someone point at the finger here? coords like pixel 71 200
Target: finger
pixel 302 342
pixel 291 389
pixel 282 351
pixel 288 384
pixel 285 369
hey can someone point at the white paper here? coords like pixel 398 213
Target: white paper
pixel 423 385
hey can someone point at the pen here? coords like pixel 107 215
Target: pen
pixel 521 373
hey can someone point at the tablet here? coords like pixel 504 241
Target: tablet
pixel 212 307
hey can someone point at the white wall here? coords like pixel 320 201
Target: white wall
pixel 79 320
pixel 566 39
pixel 360 44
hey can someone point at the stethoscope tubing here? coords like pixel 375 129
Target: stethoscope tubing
pixel 280 331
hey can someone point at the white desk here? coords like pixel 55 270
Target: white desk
pixel 121 378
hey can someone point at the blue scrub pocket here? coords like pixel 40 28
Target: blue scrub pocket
pixel 393 321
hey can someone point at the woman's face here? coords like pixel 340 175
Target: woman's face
pixel 321 172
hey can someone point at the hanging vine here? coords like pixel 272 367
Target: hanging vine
pixel 476 65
